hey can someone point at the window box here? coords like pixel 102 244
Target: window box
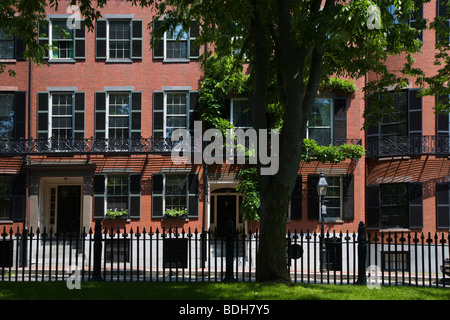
pixel 175 214
pixel 116 214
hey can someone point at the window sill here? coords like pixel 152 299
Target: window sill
pixel 332 220
pixel 394 230
pixel 176 61
pixel 8 60
pixel 119 61
pixel 6 221
pixel 62 61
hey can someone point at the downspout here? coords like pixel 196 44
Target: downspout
pixel 30 120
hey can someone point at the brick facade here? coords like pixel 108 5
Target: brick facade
pixel 149 75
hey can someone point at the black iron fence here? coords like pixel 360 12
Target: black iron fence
pixel 147 254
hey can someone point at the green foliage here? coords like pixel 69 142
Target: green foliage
pixel 338 86
pixel 248 186
pixel 330 154
pixel 223 76
pixel 174 213
pixel 114 214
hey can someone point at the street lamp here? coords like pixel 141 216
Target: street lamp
pixel 322 191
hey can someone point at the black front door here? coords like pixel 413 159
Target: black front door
pixel 226 210
pixel 69 204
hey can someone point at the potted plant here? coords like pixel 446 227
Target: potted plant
pixel 175 214
pixel 115 214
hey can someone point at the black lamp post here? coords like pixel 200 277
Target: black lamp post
pixel 322 191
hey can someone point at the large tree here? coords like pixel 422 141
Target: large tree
pixel 290 46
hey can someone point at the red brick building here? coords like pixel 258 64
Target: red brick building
pixel 90 133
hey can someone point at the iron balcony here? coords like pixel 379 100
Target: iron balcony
pixel 407 146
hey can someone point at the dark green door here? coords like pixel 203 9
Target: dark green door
pixel 69 204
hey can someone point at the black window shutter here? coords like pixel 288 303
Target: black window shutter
pixel 18 197
pixel 442 128
pixel 136 114
pixel 136 39
pixel 372 133
pixel 157 195
pixel 193 196
pixel 43 35
pixel 373 207
pixel 42 116
pixel 80 42
pixel 340 120
pixel 158 114
pixel 99 196
pixel 296 200
pixel 158 43
pixel 20 111
pixel 78 115
pixel 415 205
pixel 19 48
pixel 414 113
pixel 135 196
pixel 100 39
pixel 194 111
pixel 313 197
pixel 348 197
pixel 194 32
pixel 100 115
pixel 443 205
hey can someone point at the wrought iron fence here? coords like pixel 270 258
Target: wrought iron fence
pixel 147 254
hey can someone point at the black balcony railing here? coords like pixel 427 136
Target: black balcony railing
pixel 399 146
pixel 42 146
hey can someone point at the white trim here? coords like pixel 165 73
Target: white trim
pixel 187 93
pixel 331 119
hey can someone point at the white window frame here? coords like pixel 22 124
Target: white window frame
pixel 164 190
pixel 166 93
pixel 108 21
pixel 50 41
pixel 50 110
pixel 188 47
pixel 331 121
pixel 108 93
pixel 341 197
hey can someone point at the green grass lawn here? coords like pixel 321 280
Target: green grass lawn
pixel 211 291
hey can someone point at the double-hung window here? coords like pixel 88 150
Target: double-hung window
pixel 395 123
pixel 319 126
pixel 177 43
pixel 6 46
pixel 6 115
pixel 67 42
pixel 61 116
pixel 117 192
pixel 175 192
pixel 334 197
pixel 62 39
pixel 176 111
pixel 394 205
pixel 240 113
pixel 118 116
pixel 118 38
